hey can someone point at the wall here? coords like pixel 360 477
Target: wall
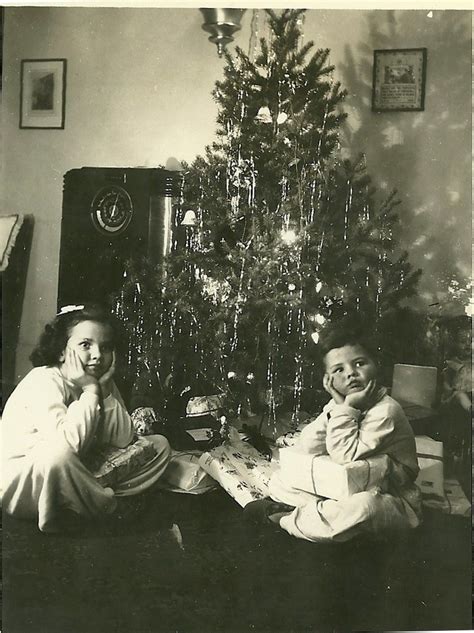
pixel 425 155
pixel 139 92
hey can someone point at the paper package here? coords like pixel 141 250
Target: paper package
pixel 113 465
pixel 185 474
pixel 454 501
pixel 430 479
pixel 320 475
pixel 240 469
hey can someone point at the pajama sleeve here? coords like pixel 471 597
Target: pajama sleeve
pixel 117 427
pixel 76 423
pixel 313 437
pixel 352 435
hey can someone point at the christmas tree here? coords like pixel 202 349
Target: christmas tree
pixel 284 237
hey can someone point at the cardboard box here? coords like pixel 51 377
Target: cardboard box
pixel 414 385
pixel 430 455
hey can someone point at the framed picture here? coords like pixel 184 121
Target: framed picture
pixel 399 80
pixel 43 94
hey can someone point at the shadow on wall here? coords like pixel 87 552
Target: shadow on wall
pixel 424 155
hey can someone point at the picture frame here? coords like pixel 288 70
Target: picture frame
pixel 399 77
pixel 43 94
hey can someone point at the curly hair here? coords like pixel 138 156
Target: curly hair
pixel 56 333
pixel 348 331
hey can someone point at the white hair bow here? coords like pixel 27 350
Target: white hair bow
pixel 66 309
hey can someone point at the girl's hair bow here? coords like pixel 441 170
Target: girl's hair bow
pixel 71 308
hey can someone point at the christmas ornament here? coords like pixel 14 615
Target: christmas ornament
pixel 315 337
pixel 264 115
pixel 288 236
pixel 189 219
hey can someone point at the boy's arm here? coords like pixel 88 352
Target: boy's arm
pixel 313 437
pixel 350 436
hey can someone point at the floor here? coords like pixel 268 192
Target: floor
pixel 189 563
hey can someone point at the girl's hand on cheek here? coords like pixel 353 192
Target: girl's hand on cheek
pixel 74 371
pixel 329 387
pixel 105 381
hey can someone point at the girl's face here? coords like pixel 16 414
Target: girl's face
pixel 93 343
pixel 350 367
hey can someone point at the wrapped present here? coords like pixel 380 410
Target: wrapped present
pixel 113 465
pixel 290 438
pixel 185 474
pixel 454 501
pixel 320 475
pixel 430 479
pixel 240 469
pixel 204 405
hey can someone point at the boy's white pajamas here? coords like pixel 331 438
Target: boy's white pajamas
pixel 48 428
pixel 346 435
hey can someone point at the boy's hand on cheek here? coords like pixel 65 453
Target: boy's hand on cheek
pixel 329 387
pixel 364 399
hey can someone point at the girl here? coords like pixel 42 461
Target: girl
pixel 66 407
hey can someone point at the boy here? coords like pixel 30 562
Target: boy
pixel 359 423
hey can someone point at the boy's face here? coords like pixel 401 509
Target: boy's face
pixel 350 368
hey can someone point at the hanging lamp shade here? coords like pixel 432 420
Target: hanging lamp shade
pixel 221 24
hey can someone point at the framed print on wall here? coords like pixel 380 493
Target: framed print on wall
pixel 399 80
pixel 42 94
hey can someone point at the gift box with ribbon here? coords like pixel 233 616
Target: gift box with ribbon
pixel 110 466
pixel 240 469
pixel 321 476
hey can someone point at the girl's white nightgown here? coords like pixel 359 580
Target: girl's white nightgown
pixel 49 426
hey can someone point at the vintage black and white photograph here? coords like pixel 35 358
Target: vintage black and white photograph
pixel 42 100
pixel 237 314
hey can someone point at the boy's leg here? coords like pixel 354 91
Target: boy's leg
pixel 262 510
pixel 369 511
pixel 281 491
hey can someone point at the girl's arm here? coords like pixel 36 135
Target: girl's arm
pixel 54 416
pixel 117 426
